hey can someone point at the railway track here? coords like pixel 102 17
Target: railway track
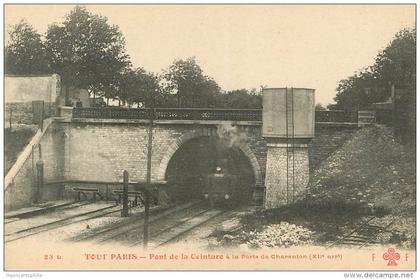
pixel 164 227
pixel 171 234
pixel 132 224
pixel 13 217
pixel 362 235
pixel 22 231
pixel 38 209
pixel 166 224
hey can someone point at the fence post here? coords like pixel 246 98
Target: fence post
pixel 394 126
pixel 41 118
pixel 40 151
pixel 38 113
pixel 124 212
pixel 39 180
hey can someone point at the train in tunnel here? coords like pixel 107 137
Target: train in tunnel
pixel 206 169
pixel 220 187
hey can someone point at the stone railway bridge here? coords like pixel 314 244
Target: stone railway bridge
pixel 93 146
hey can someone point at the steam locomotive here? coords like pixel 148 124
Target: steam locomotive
pixel 220 188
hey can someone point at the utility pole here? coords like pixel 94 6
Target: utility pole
pixel 124 212
pixel 148 178
pixel 41 119
pixel 39 180
pixel 39 176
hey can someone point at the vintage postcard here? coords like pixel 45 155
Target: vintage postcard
pixel 210 137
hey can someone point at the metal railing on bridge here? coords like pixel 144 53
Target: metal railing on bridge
pixel 336 116
pixel 169 113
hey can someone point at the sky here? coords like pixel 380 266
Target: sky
pixel 248 46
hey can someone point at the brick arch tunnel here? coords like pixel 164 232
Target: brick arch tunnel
pixel 195 156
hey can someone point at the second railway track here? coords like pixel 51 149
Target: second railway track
pixel 166 224
pixel 164 227
pixel 362 235
pixel 183 228
pixel 132 224
pixel 13 234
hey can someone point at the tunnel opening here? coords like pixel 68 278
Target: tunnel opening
pixel 191 167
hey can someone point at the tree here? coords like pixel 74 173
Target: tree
pixel 25 52
pixel 142 88
pixel 396 65
pixel 319 107
pixel 358 91
pixel 110 91
pixel 86 51
pixel 185 79
pixel 242 98
pixel 208 95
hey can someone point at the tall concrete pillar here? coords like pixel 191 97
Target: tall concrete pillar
pixel 284 188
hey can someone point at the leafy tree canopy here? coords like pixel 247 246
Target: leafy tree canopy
pixel 25 52
pixel 185 79
pixel 86 51
pixel 395 65
pixel 137 86
pixel 319 107
pixel 242 98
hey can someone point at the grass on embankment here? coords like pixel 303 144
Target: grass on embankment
pixel 373 170
pixel 15 140
pixel 370 175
